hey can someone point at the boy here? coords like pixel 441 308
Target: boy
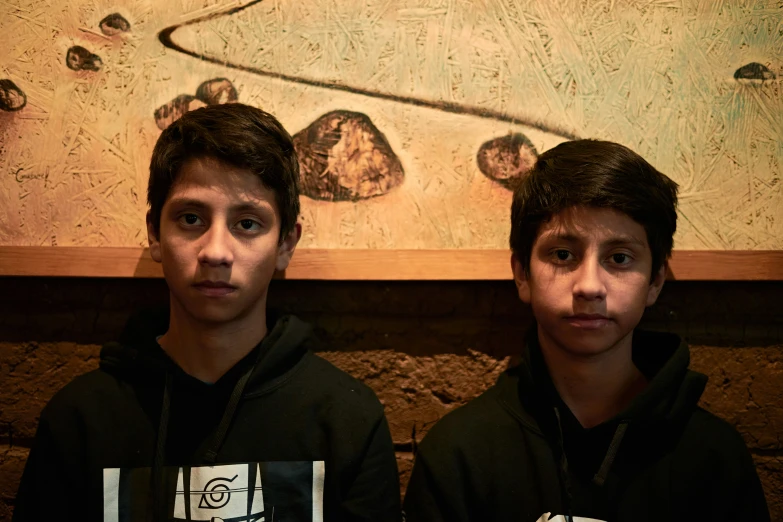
pixel 599 422
pixel 222 412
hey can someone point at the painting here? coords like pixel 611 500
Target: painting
pixel 412 119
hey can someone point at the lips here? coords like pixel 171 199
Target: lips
pixel 588 321
pixel 214 288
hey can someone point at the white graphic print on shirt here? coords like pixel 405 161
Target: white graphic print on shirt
pixel 252 492
pixel 548 517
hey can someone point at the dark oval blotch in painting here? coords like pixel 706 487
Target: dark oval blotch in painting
pixel 343 156
pixel 508 159
pixel 80 59
pixel 113 24
pixel 754 71
pixel 12 98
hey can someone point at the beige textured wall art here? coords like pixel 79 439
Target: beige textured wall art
pixel 412 117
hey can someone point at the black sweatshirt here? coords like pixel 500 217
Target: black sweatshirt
pixel 517 453
pixel 283 436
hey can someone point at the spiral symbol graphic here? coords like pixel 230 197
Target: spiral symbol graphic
pixel 217 493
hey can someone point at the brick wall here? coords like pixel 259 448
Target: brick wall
pixel 424 347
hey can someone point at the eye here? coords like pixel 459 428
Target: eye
pixel 562 255
pixel 621 259
pixel 249 225
pixel 190 219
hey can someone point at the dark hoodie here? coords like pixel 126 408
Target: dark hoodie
pixel 282 436
pixel 517 453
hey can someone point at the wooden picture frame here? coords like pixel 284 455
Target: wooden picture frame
pixel 375 265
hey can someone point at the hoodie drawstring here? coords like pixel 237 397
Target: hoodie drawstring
pixel 611 453
pixel 600 478
pixel 565 482
pixel 159 506
pixel 228 415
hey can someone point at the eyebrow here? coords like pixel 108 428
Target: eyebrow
pixel 614 241
pixel 624 240
pixel 195 203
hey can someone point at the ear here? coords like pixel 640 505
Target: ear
pixel 521 279
pixel 153 240
pixel 285 250
pixel 656 285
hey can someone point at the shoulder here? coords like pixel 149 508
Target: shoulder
pixel 717 441
pixel 83 395
pixel 472 425
pixel 713 463
pixel 82 388
pixel 339 380
pixel 486 408
pixel 716 432
pixel 327 383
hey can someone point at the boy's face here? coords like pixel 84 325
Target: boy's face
pixel 219 241
pixel 589 280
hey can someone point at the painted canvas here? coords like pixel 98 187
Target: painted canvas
pixel 412 118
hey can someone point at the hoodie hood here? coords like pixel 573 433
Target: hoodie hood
pixel 138 353
pixel 671 395
pixel 585 457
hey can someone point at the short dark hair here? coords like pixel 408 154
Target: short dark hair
pixel 238 134
pixel 597 174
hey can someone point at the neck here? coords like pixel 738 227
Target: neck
pixel 594 387
pixel 207 351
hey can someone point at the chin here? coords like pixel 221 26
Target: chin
pixel 586 345
pixel 588 351
pixel 213 316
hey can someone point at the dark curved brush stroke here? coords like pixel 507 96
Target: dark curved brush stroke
pixel 165 38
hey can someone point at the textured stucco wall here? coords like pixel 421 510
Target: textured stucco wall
pixel 424 347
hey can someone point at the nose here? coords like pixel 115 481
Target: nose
pixel 216 249
pixel 589 283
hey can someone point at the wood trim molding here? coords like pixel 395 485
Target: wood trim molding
pixel 358 265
